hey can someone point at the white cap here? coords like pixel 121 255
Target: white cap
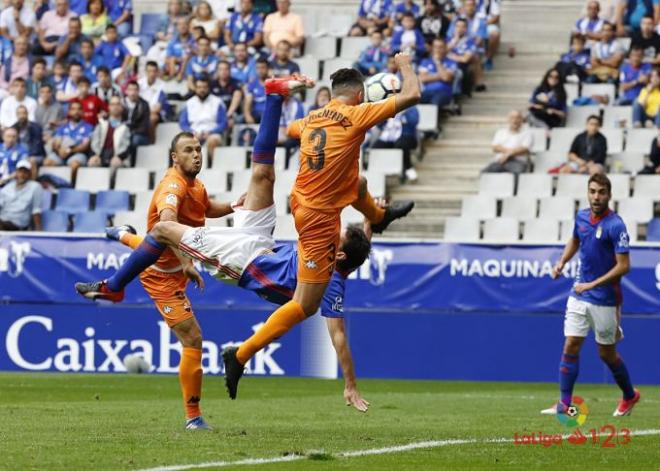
pixel 24 164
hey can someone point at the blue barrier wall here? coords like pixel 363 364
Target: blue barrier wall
pixel 422 311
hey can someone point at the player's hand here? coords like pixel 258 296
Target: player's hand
pixel 402 59
pixel 353 398
pixel 190 272
pixel 240 201
pixel 557 270
pixel 582 287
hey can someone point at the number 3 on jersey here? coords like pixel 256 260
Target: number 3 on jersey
pixel 317 137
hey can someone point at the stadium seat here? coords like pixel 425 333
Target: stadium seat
pixel 566 230
pixel 165 132
pixel 620 185
pixel 520 207
pixel 309 66
pixel 284 181
pixel 46 200
pixel 639 140
pixel 653 230
pixel 350 215
pixel 72 201
pixel 91 221
pixel 281 199
pixel 280 159
pixel 240 128
pixel 544 161
pixel 332 65
pixel 230 158
pixel 603 89
pixel 648 186
pixel 577 115
pixel 461 229
pixel 61 172
pixel 478 207
pixel 617 116
pixel 133 218
pixel 285 228
pixel 557 208
pixel 111 201
pixel 352 47
pixel 541 231
pixel 321 48
pixel 93 179
pixel 534 184
pixel 54 221
pixel 132 179
pixel 574 186
pixel 308 19
pixel 633 232
pixel 428 117
pixel 240 182
pixel 562 138
pixel 628 162
pixel 501 230
pixel 214 180
pixel 496 185
pixel 614 138
pixel 540 136
pixel 387 161
pixel 149 23
pixel 376 182
pixel 142 201
pixel 337 25
pixel 572 92
pixel 638 210
pixel 154 157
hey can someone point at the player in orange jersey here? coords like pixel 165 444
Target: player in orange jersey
pixel 179 197
pixel 327 182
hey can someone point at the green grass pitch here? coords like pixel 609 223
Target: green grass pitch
pixel 115 422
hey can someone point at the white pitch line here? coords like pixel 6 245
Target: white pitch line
pixel 359 453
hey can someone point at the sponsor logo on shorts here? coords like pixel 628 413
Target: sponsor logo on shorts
pixel 311 265
pixel 171 199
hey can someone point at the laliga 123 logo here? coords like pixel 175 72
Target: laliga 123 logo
pixel 574 415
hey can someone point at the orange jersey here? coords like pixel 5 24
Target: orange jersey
pixel 188 199
pixel 330 140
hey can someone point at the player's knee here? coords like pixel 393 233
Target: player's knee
pixel 263 173
pixel 572 345
pixel 607 354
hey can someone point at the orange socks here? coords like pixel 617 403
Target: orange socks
pixel 132 240
pixel 280 322
pixel 190 377
pixel 367 206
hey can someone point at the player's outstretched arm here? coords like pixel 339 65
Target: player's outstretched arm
pixel 569 251
pixel 218 209
pixel 410 93
pixel 337 331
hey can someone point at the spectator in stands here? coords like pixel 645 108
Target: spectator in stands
pixel 16 98
pixel 437 73
pixel 228 90
pixel 547 104
pixel 590 26
pixel 433 24
pixel 373 15
pixel 408 39
pixel 292 109
pixel 374 57
pixel 204 17
pixel 244 26
pixel 70 85
pixel 491 11
pixel 281 65
pixel 70 143
pixel 463 50
pixel 114 54
pixel 652 166
pixel 53 26
pixel 104 87
pixel 322 98
pixel 20 201
pixel 17 20
pixel 121 15
pixel 166 31
pixel 59 77
pixel 137 116
pixel 255 94
pixel 634 76
pixel 111 139
pixel 588 151
pixel 243 68
pixel 283 25
pixel 49 113
pixel 205 116
pixel 68 47
pixel 92 106
pixel 94 22
pixel 153 92
pixel 29 135
pixel 202 64
pixel 179 50
pixel 647 104
pixel 11 152
pixel 648 40
pixel 606 57
pixel 400 132
pixel 89 61
pixel 577 60
pixel 38 78
pixel 18 65
pixel 406 6
pixel 629 18
pixel 511 146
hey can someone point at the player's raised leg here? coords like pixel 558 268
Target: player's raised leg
pixel 379 217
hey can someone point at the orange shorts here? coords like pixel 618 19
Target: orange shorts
pixel 318 241
pixel 168 292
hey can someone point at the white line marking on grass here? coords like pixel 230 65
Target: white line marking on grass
pixel 359 453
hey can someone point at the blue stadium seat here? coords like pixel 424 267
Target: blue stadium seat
pixel 92 221
pixel 46 200
pixel 111 201
pixel 72 201
pixel 148 26
pixel 653 230
pixel 55 221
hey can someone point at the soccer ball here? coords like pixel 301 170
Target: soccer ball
pixel 380 86
pixel 572 411
pixel 136 364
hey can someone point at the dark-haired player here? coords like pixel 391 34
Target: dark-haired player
pixel 595 300
pixel 327 182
